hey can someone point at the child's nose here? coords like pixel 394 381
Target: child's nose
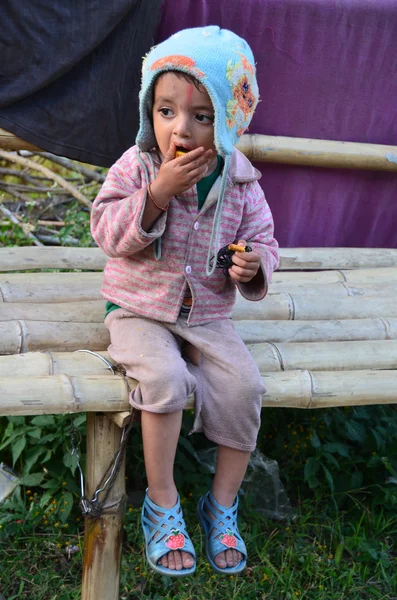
pixel 181 127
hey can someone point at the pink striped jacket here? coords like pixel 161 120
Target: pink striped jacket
pixel 134 279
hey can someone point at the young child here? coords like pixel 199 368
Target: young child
pixel 166 208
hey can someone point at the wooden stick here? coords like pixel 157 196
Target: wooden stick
pixel 318 153
pixel 54 176
pixel 60 394
pixel 103 536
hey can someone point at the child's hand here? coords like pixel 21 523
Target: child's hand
pixel 246 264
pixel 177 175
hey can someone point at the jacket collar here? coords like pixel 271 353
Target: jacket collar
pixel 241 170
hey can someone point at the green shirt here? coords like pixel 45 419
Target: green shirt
pixel 203 188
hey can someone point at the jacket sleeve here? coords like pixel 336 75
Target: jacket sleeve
pixel 257 228
pixel 116 217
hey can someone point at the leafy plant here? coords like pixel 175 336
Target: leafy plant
pixel 77 225
pixel 39 448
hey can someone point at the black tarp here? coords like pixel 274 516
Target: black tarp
pixel 70 73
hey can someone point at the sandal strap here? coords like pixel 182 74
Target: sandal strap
pixel 221 537
pixel 167 530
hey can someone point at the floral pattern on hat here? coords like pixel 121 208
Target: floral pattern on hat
pixel 242 106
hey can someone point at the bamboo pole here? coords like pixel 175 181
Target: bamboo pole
pixel 50 287
pixel 291 259
pixel 253 332
pixel 287 150
pixel 23 336
pixel 103 536
pixel 341 289
pixel 269 356
pixel 92 311
pixel 60 394
pixel 40 364
pixel 283 306
pixel 294 307
pixel 51 257
pixel 18 337
pixel 69 287
pixel 9 141
pixel 336 258
pixel 325 356
pixel 318 153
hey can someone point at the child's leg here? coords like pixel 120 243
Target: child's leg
pixel 160 433
pixel 231 466
pixel 152 355
pixel 229 390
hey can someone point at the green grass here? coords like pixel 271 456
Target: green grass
pixel 316 556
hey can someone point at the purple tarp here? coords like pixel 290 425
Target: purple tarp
pixel 327 69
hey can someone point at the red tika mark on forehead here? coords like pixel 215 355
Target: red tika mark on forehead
pixel 189 93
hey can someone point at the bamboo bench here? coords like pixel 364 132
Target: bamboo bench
pixel 325 336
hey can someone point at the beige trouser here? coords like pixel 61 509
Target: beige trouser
pixel 227 382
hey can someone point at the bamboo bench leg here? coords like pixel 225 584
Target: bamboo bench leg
pixel 103 536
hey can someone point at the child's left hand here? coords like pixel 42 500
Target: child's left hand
pixel 246 264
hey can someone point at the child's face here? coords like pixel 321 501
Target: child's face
pixel 182 114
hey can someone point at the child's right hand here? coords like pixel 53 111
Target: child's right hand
pixel 176 175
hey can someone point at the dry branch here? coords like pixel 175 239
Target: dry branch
pixel 54 176
pixel 25 228
pixel 73 166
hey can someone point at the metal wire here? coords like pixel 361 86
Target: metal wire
pixel 94 507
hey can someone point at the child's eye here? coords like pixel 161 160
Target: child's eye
pixel 166 112
pixel 204 118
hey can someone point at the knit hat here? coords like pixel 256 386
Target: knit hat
pixel 224 64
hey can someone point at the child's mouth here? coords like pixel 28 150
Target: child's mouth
pixel 181 151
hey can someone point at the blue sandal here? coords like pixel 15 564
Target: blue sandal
pixel 165 530
pixel 221 532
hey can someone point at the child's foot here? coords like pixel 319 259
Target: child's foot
pixel 165 535
pixel 225 549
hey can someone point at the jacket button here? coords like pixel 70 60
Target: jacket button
pixel 196 225
pixel 188 269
